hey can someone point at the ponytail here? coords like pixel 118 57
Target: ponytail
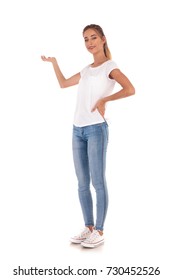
pixel 107 51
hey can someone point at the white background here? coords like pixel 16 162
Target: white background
pixel 38 199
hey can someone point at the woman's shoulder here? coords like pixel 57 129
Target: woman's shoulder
pixel 85 68
pixel 111 64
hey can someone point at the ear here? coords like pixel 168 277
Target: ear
pixel 104 39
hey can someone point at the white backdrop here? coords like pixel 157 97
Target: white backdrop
pixel 38 199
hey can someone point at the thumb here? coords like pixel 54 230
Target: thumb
pixel 94 108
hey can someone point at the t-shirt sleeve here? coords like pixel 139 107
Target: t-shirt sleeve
pixel 111 66
pixel 82 72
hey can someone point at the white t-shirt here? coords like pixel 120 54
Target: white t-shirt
pixel 94 84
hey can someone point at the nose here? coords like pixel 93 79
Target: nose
pixel 89 43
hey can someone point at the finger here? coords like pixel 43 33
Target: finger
pixel 101 111
pixel 43 57
pixel 93 109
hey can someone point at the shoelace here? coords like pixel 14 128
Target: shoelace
pixel 93 236
pixel 83 234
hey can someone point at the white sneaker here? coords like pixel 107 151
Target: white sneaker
pixel 94 240
pixel 82 236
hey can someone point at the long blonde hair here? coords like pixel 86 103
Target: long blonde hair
pixel 100 32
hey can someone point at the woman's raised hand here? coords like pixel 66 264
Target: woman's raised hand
pixel 49 59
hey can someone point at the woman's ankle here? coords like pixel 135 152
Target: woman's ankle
pixel 90 228
pixel 100 232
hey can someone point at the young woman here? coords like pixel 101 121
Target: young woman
pixel 90 130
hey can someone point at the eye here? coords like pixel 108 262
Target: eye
pixel 86 40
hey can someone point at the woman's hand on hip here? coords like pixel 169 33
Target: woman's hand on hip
pixel 100 106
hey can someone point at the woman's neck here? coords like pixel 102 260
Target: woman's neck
pixel 98 60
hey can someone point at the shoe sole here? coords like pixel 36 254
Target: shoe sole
pixel 76 241
pixel 91 245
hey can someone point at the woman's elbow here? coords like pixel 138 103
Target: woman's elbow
pixel 131 91
pixel 63 84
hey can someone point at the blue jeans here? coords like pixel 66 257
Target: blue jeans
pixel 89 154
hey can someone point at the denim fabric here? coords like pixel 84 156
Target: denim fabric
pixel 89 154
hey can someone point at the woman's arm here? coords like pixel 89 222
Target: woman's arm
pixel 63 82
pixel 127 90
pixel 127 87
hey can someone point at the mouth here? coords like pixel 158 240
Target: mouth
pixel 91 48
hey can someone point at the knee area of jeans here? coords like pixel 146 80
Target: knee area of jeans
pixel 100 186
pixel 83 189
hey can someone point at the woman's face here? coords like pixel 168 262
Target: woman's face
pixel 93 42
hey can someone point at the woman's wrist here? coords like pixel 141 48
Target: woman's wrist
pixel 53 60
